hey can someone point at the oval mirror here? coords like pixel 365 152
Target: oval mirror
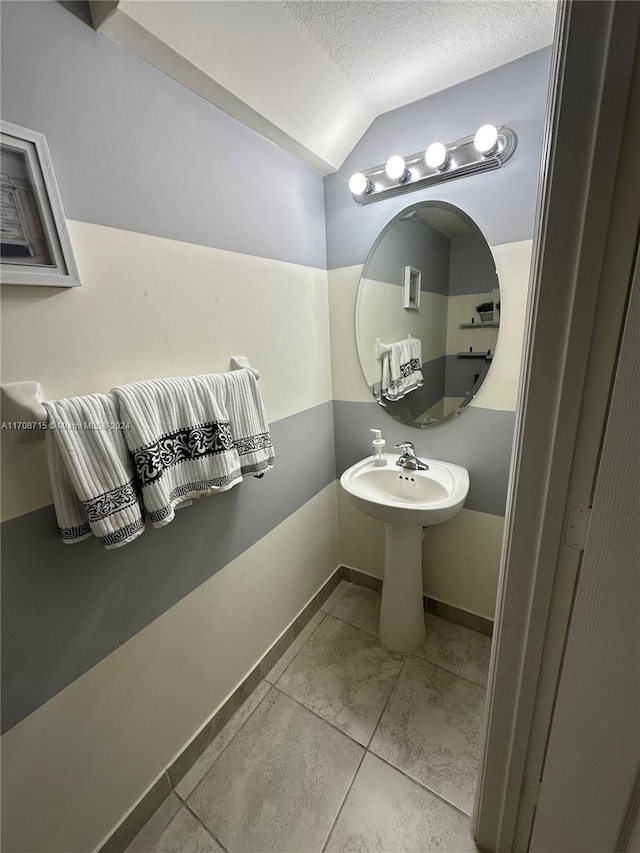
pixel 427 314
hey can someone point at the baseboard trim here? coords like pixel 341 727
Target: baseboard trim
pixel 362 578
pixel 133 822
pixel 432 605
pixel 459 616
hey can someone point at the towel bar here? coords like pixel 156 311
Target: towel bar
pixel 22 403
pixel 381 347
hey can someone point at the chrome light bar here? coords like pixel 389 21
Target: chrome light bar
pixel 488 149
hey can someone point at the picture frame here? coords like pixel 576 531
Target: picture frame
pixel 35 247
pixel 412 285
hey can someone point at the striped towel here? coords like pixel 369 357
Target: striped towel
pixel 248 422
pixel 194 436
pixel 402 368
pixel 92 477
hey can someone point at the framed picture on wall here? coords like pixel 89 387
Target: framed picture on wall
pixel 35 248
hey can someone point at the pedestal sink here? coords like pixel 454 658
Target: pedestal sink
pixel 406 501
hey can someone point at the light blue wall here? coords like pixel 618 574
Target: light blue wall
pixel 135 150
pixel 502 203
pixel 415 243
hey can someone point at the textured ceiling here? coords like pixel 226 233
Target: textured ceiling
pixel 393 52
pixel 311 75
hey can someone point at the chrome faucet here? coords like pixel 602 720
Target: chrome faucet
pixel 408 458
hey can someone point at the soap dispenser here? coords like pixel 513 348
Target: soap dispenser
pixel 378 444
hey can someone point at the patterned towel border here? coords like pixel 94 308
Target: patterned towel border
pixel 221 483
pixel 111 502
pixel 125 534
pixel 183 445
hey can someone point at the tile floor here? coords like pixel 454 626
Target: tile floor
pixel 343 747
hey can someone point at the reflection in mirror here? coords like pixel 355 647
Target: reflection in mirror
pixel 425 358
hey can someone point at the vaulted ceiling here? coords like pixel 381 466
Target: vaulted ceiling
pixel 311 75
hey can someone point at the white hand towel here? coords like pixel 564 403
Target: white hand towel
pixel 248 421
pixel 92 477
pixel 402 368
pixel 182 436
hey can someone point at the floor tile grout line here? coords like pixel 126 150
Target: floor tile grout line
pixel 444 669
pixel 315 714
pixel 274 685
pixel 366 746
pixel 324 616
pixel 324 720
pixel 388 699
pixel 413 653
pixel 159 832
pixel 399 769
pixel 346 622
pixel 367 634
pixel 224 749
pixel 366 749
pixel 206 829
pixel 388 762
pixel 338 599
pixel 421 784
pixel 344 800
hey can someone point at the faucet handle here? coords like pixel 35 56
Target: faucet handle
pixel 406 447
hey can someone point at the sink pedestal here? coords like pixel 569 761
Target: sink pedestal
pixel 406 500
pixel 401 612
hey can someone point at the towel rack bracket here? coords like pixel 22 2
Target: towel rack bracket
pixel 22 410
pixel 24 414
pixel 237 362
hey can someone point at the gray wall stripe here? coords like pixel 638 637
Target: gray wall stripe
pixel 65 607
pixel 135 150
pixel 445 376
pixel 479 439
pixel 460 374
pixel 502 203
pixel 418 401
pixel 412 242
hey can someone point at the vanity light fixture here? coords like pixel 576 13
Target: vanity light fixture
pixel 436 156
pixel 486 140
pixel 488 149
pixel 396 169
pixel 359 184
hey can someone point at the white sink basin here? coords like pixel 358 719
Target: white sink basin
pixel 400 496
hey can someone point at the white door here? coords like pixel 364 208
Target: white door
pixel 593 756
pixel 586 242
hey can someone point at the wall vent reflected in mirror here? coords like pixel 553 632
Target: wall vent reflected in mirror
pixel 431 257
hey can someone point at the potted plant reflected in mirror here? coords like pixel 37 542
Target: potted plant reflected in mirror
pixel 485 310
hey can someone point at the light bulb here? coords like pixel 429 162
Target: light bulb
pixel 436 156
pixel 486 140
pixel 359 184
pixel 395 168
